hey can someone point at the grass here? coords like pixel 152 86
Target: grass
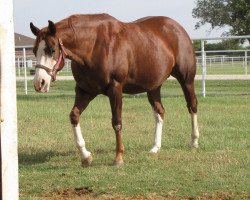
pixel 224 69
pixel 49 161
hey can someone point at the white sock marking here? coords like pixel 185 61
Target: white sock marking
pixel 158 133
pixel 195 131
pixel 80 143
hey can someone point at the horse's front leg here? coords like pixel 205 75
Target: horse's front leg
pixel 82 100
pixel 115 97
pixel 154 98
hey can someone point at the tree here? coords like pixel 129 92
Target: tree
pixel 221 13
pixel 223 45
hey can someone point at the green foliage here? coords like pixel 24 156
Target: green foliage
pixel 221 13
pixel 197 45
pixel 49 161
pixel 223 45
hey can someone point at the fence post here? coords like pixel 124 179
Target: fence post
pixel 246 62
pixel 8 108
pixel 203 55
pixel 25 71
pixel 18 66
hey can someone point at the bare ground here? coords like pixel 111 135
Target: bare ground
pixel 87 194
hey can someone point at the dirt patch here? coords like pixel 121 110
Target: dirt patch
pixel 85 193
pixel 74 194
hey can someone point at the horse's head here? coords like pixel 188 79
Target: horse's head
pixel 50 54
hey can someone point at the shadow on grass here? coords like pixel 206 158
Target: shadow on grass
pixel 55 96
pixel 26 158
pixel 43 97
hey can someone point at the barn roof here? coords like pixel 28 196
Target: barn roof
pixel 22 40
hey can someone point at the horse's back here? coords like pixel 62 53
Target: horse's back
pixel 177 38
pixel 171 31
pixel 160 46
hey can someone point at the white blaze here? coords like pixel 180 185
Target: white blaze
pixel 42 79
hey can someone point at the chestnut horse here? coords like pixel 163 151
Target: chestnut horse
pixel 111 57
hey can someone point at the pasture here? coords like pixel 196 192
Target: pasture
pixel 232 70
pixel 49 163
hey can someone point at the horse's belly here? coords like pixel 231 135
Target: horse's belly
pixel 144 83
pixel 146 78
pixel 149 68
pixel 133 89
pixel 89 82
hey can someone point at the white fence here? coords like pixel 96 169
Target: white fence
pixel 224 59
pixel 204 60
pixel 222 62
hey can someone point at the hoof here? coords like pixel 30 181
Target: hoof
pixel 87 161
pixel 194 144
pixel 154 150
pixel 118 163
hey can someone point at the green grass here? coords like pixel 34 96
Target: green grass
pixel 226 70
pixel 49 160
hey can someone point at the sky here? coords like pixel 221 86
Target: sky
pixel 39 12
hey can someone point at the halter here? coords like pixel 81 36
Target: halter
pixel 59 65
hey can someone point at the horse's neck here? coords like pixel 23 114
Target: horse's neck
pixel 79 45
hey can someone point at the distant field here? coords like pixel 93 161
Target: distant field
pixel 49 164
pixel 226 69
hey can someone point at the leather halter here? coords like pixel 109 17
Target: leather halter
pixel 59 63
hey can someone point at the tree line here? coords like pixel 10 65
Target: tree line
pixel 234 14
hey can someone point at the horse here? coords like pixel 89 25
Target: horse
pixel 111 57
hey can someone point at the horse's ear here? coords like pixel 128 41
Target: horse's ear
pixel 52 28
pixel 34 29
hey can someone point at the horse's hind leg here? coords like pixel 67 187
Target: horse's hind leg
pixel 154 98
pixel 115 98
pixel 82 100
pixel 188 89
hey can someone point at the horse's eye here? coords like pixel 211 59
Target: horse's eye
pixel 52 50
pixel 49 50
